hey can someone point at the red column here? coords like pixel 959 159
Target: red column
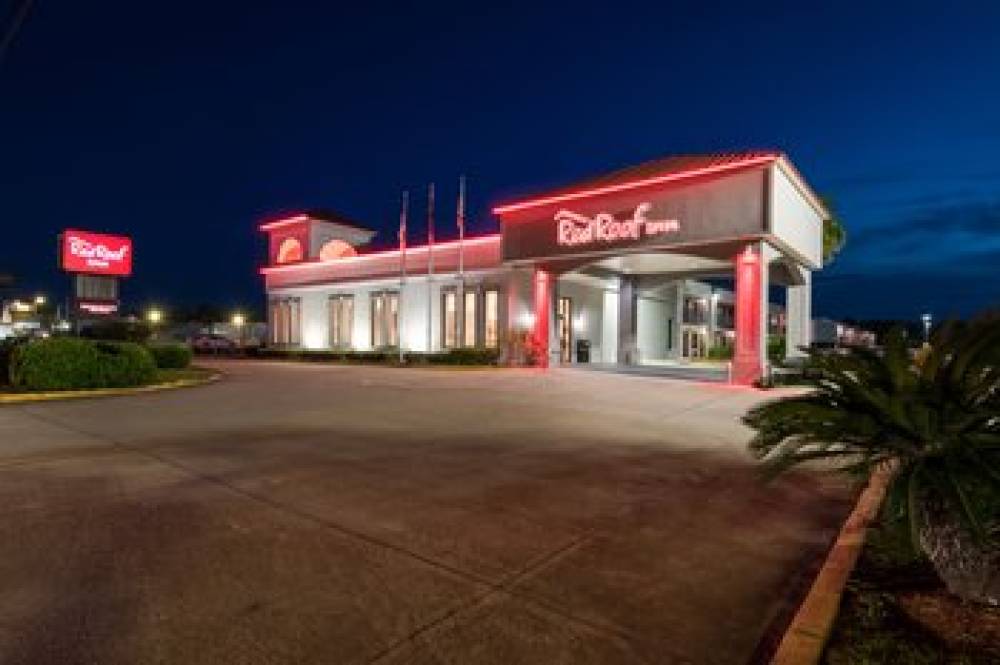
pixel 748 366
pixel 542 292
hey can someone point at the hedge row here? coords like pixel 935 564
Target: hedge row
pixel 470 356
pixel 171 356
pixel 70 363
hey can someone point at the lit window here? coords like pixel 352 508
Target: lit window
pixel 289 251
pixel 378 309
pixel 341 321
pixel 392 318
pixel 335 249
pixel 469 327
pixel 492 319
pixel 285 321
pixel 385 319
pixel 449 319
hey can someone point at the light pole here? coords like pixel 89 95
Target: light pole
pixel 926 318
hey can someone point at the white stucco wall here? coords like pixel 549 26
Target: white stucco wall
pixel 588 313
pixel 315 332
pixel 794 221
pixel 609 328
pixel 314 325
pixel 651 323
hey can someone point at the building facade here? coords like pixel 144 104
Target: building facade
pixel 623 269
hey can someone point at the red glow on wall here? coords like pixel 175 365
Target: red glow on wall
pixel 411 251
pixel 633 184
pixel 747 361
pixel 542 290
pixel 96 253
pixel 285 221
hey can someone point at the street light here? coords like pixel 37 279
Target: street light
pixel 154 316
pixel 926 318
pixel 238 320
pixel 39 300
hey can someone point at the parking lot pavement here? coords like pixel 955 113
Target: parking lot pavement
pixel 298 513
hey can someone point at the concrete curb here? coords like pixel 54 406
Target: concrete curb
pixel 28 398
pixel 806 637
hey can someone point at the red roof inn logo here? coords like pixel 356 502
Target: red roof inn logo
pixel 96 253
pixel 575 229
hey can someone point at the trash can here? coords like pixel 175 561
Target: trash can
pixel 583 350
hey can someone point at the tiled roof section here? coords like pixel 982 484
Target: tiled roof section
pixel 325 215
pixel 663 167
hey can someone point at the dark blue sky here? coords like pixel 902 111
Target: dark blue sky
pixel 185 123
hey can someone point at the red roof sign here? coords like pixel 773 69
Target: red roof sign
pixel 95 253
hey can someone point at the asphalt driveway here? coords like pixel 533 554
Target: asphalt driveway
pixel 299 513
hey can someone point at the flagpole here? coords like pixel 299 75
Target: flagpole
pixel 460 220
pixel 430 264
pixel 402 271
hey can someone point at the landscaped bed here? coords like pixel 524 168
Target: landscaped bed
pixel 926 588
pixel 453 357
pixel 74 367
pixel 896 610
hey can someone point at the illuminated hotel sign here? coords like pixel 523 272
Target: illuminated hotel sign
pixel 574 229
pixel 96 253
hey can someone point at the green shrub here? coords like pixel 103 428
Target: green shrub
pixel 171 356
pixel 720 352
pixel 776 349
pixel 69 363
pixel 465 356
pixel 387 356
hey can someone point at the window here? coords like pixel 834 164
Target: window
pixel 336 249
pixel 285 317
pixel 469 319
pixel 491 308
pixel 725 315
pixel 392 318
pixel 341 321
pixel 289 251
pixel 449 319
pixel 385 319
pixel 695 310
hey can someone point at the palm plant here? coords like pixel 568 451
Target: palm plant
pixel 935 423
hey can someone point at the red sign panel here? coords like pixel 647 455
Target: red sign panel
pixel 96 253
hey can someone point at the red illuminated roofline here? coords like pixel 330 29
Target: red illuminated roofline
pixel 480 240
pixel 634 184
pixel 285 221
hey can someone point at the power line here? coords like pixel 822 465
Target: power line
pixel 20 14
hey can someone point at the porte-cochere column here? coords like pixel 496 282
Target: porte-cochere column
pixel 750 352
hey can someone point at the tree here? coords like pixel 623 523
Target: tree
pixel 937 425
pixel 834 233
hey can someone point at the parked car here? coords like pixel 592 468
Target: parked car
pixel 212 344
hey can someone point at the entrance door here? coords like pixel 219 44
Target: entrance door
pixel 693 343
pixel 565 323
